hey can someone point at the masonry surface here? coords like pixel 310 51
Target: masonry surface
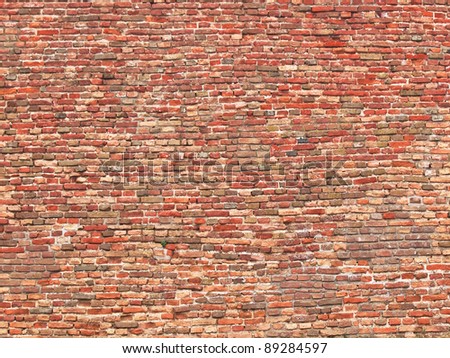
pixel 224 169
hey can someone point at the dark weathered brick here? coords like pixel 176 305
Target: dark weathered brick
pixel 126 324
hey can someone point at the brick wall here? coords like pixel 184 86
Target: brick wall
pixel 224 168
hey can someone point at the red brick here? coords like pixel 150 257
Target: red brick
pixel 305 158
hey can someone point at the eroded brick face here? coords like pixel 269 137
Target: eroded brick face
pixel 227 168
